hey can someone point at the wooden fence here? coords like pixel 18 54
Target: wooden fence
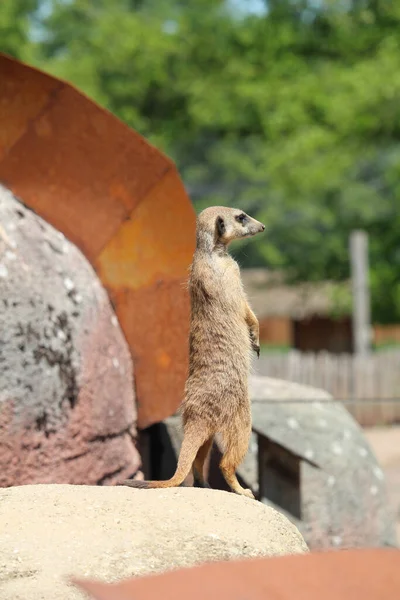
pixel 371 382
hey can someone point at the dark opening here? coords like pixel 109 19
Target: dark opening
pixel 279 476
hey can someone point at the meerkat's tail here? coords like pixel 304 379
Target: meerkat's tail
pixel 192 441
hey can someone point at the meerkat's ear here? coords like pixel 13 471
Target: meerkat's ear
pixel 220 226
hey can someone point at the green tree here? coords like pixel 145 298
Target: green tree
pixel 16 21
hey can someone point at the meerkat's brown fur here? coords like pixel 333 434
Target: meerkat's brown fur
pixel 223 331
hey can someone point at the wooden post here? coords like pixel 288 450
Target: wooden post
pixel 360 288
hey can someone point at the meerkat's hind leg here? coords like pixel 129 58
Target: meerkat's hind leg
pixel 193 439
pixel 198 464
pixel 236 439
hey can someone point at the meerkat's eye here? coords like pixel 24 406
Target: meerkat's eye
pixel 242 218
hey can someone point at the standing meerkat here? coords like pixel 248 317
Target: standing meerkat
pixel 223 331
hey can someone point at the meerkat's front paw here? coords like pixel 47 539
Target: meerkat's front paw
pixel 256 348
pixel 255 344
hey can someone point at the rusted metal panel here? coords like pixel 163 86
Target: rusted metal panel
pixel 346 575
pixel 155 322
pixel 121 202
pixel 24 93
pixel 144 267
pixel 80 168
pixel 154 244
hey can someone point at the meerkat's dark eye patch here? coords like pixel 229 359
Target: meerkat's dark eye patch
pixel 242 218
pixel 220 226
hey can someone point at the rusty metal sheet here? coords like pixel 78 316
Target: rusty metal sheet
pixel 154 243
pixel 336 575
pixel 121 202
pixel 78 166
pixel 24 93
pixel 155 321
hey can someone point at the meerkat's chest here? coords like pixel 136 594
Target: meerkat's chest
pixel 229 283
pixel 216 284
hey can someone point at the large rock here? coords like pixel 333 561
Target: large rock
pixel 67 407
pixel 267 390
pixel 343 496
pixel 109 533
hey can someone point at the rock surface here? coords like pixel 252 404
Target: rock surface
pixel 67 407
pixel 269 389
pixel 344 500
pixel 110 533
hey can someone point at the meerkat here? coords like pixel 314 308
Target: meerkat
pixel 223 332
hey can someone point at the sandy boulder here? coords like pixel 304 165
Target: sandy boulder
pixel 52 531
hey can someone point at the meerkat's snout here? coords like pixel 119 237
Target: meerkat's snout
pixel 254 226
pixel 262 227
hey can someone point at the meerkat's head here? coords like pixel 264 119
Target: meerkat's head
pixel 222 225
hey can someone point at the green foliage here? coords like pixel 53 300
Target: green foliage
pixel 293 115
pixel 15 23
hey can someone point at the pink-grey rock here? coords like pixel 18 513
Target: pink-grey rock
pixel 67 406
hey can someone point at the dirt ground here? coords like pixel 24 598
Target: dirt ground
pixel 385 442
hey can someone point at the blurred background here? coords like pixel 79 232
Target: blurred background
pixel 290 110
